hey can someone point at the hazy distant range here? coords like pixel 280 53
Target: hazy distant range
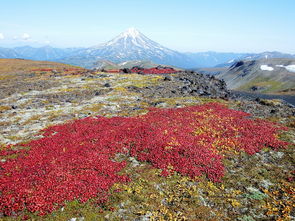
pixel 132 45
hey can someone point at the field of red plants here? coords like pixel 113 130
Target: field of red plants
pixel 78 160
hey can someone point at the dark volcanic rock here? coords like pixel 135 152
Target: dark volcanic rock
pixel 238 64
pixel 188 83
pixel 126 71
pixel 265 108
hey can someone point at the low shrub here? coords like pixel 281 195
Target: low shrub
pixel 76 160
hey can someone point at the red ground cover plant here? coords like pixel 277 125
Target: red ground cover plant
pixel 76 160
pixel 43 69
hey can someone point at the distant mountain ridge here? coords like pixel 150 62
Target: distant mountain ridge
pixel 267 75
pixel 133 45
pixel 263 55
pixel 213 59
pixel 46 53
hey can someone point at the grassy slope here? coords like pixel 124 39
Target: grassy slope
pixel 14 66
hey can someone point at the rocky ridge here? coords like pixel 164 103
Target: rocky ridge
pixel 272 75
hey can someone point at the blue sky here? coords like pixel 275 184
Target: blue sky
pixel 184 25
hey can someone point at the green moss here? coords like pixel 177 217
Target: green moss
pixel 94 108
pixel 185 101
pixel 257 195
pixel 139 81
pixel 269 86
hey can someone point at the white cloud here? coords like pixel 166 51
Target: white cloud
pixel 15 38
pixel 1 36
pixel 47 42
pixel 25 36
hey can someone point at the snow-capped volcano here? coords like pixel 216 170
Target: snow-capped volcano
pixel 129 33
pixel 133 38
pixel 133 45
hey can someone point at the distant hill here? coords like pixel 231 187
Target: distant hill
pixel 11 67
pixel 107 65
pixel 271 75
pixel 211 71
pixel 18 76
pixel 143 64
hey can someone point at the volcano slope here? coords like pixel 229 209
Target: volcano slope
pixel 84 145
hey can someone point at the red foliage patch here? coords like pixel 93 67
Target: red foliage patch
pixel 75 160
pixel 43 69
pixel 71 69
